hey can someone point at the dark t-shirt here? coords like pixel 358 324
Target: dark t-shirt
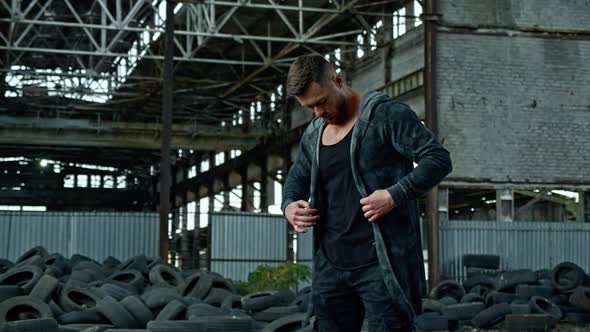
pixel 346 236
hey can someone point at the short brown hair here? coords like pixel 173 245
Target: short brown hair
pixel 306 69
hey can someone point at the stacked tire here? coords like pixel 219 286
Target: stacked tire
pixel 516 300
pixel 52 293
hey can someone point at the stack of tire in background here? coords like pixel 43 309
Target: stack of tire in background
pixel 516 300
pixel 50 293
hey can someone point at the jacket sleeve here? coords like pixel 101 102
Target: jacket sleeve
pixel 297 184
pixel 417 143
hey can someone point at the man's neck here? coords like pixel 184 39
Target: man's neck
pixel 351 110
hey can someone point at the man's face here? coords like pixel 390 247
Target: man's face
pixel 325 100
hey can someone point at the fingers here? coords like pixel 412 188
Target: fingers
pixel 369 214
pixel 367 208
pixel 305 221
pixel 364 200
pixel 304 204
pixel 299 229
pixel 374 217
pixel 306 212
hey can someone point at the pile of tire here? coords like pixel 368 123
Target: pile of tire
pixel 515 300
pixel 50 293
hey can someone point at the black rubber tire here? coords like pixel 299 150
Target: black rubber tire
pixel 138 309
pixel 165 276
pixel 577 318
pixel 525 292
pixel 203 309
pixel 508 280
pixel 462 311
pixel 472 298
pixel 220 282
pixel 8 291
pixel 448 288
pixel 567 276
pixel 471 282
pixel 288 295
pixel 5 265
pixel 35 325
pixel 261 300
pixel 133 278
pixel 152 261
pixel 274 313
pixel 541 305
pixel 581 298
pixel 45 288
pixel 24 307
pixel 88 327
pixel 86 275
pixel 80 317
pixel 88 265
pixel 36 251
pixel 481 290
pixel 172 311
pixel 77 258
pixel 58 262
pixel 304 290
pixel 216 296
pixel 197 285
pixel 543 274
pixel 448 300
pixel 25 277
pixel 157 298
pixel 430 305
pixel 111 261
pixel 176 326
pixel 116 290
pixel 528 322
pixel 232 302
pixel 496 297
pixel 116 313
pixel 520 309
pixel 226 323
pixel 77 299
pixel 426 322
pixel 138 263
pixel 492 315
pixel 302 301
pixel 491 262
pixel 55 308
pixel 285 323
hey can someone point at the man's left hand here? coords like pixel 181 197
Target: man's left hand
pixel 378 204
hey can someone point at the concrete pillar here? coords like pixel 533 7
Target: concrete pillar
pixel 247 204
pixel 387 38
pixel 226 192
pixel 583 213
pixel 504 205
pixel 211 194
pixel 410 21
pixel 264 199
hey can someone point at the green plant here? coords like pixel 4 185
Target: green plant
pixel 266 277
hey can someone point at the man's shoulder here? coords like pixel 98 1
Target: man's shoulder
pixel 391 109
pixel 313 128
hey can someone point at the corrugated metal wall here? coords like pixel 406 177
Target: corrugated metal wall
pixel 242 241
pixel 94 234
pixel 530 245
pixel 304 252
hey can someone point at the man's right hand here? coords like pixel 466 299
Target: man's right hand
pixel 301 215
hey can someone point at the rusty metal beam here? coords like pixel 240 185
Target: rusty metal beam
pixel 167 88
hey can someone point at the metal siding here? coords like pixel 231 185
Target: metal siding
pixel 305 246
pixel 530 245
pixel 31 229
pixel 94 234
pixel 248 240
pixel 5 219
